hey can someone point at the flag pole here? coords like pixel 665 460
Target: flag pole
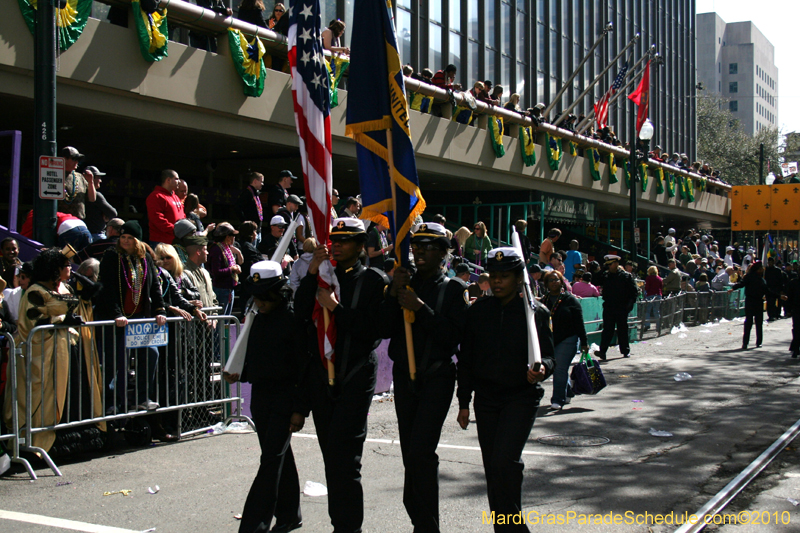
pixel 326 318
pixel 408 315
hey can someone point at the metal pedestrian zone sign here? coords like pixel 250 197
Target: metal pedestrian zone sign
pixel 145 335
pixel 51 178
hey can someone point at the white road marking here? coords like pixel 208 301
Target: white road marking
pixel 61 523
pixel 477 449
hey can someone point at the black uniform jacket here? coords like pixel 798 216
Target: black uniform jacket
pixel 171 294
pixel 112 297
pixel 567 318
pixel 355 328
pixel 619 291
pixel 436 335
pixel 276 352
pixel 793 292
pixel 247 209
pixel 493 360
pixel 755 289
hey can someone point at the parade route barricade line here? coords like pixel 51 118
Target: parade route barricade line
pixel 11 384
pixel 83 375
pixel 477 449
pixel 61 523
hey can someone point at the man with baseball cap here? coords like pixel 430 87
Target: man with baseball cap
pixel 619 297
pixel 279 193
pixel 269 241
pixel 439 305
pixel 99 211
pixel 340 411
pixel 78 187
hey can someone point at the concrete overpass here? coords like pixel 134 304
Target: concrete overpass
pixel 188 112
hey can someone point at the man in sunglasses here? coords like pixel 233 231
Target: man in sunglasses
pixel 422 401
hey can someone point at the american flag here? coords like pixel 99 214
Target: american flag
pixel 312 116
pixel 601 107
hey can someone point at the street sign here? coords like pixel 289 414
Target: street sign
pixel 51 178
pixel 636 235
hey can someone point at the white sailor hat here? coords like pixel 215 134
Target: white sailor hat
pixel 610 258
pixel 503 259
pixel 430 232
pixel 278 220
pixel 265 276
pixel 346 228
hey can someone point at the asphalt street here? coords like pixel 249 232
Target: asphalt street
pixel 736 404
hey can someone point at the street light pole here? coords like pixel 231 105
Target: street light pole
pixel 632 136
pixel 44 101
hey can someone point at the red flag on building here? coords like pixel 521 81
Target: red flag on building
pixel 641 97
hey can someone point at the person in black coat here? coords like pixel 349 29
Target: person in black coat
pixel 439 305
pixel 249 206
pixel 340 411
pixel 776 280
pixel 493 364
pixel 274 362
pixel 130 291
pixel 755 290
pixel 619 297
pixel 793 304
pixel 252 12
pixel 568 331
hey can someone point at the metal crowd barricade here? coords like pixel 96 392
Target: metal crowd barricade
pixel 12 434
pixel 84 375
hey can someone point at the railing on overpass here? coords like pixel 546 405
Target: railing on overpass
pixel 206 20
pixel 498 228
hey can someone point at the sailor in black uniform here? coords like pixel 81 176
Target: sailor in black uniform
pixel 619 297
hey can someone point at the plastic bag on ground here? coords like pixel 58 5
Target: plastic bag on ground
pixel 312 488
pixel 234 427
pixel 657 433
pixel 683 376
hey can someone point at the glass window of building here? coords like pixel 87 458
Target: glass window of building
pixel 505 75
pixel 505 28
pixel 554 14
pixel 490 23
pixel 435 47
pixel 733 105
pixel 455 15
pixel 733 68
pixel 348 20
pixel 328 8
pixel 474 63
pixel 404 35
pixel 540 14
pixel 733 87
pixel 539 86
pixel 522 20
pixel 454 57
pixel 553 52
pixel 520 86
pixel 435 10
pixel 401 3
pixel 491 65
pixel 541 34
pixel 472 20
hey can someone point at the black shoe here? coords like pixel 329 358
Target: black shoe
pixel 758 345
pixel 744 346
pixel 795 354
pixel 283 528
pixel 600 355
pixel 626 355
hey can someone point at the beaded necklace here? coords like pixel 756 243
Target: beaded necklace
pixel 554 307
pixel 258 203
pixel 226 251
pixel 162 283
pixel 137 272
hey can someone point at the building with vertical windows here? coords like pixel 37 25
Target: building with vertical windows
pixel 531 47
pixel 736 61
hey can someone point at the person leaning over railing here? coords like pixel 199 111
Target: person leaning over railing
pixel 130 291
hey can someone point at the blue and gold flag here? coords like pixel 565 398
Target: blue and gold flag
pixel 379 124
pixel 336 66
pixel 612 169
pixel 70 19
pixel 496 135
pixel 421 102
pixel 248 58
pixel 526 139
pixel 152 30
pixel 594 164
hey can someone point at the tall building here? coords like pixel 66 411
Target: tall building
pixel 531 47
pixel 736 61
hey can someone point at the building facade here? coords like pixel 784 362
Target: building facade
pixel 531 47
pixel 736 61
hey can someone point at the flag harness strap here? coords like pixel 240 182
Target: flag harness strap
pixel 428 344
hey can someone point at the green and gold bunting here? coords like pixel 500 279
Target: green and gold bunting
pixel 421 103
pixel 689 189
pixel 152 31
pixel 659 180
pixel 671 185
pixel 526 139
pixel 70 19
pixel 682 187
pixel 248 58
pixel 701 184
pixel 496 135
pixel 554 151
pixel 594 163
pixel 462 114
pixel 645 177
pixel 627 167
pixel 612 169
pixel 573 149
pixel 336 69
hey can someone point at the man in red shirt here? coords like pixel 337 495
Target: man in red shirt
pixel 164 208
pixel 445 79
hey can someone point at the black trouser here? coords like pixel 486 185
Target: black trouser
pixel 420 416
pixel 503 429
pixel 146 365
pixel 753 313
pixel 171 380
pixel 773 307
pixel 341 423
pixel 276 488
pixel 795 346
pixel 615 320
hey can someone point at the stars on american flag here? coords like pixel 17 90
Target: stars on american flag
pixel 310 59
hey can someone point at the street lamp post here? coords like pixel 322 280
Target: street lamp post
pixel 645 134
